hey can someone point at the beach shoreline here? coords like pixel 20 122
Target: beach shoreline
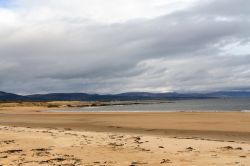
pixel 169 138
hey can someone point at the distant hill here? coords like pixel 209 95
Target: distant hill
pixel 11 97
pixel 122 96
pixel 108 97
pixel 230 94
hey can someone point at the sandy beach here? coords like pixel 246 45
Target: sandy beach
pixel 30 136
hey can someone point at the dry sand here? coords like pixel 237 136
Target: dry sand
pixel 30 137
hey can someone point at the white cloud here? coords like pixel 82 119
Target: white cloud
pixel 109 11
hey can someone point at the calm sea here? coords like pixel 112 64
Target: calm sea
pixel 179 105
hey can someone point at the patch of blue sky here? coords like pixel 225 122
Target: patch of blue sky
pixel 4 3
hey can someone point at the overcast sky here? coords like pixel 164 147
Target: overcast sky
pixel 115 46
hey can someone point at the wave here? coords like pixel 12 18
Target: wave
pixel 245 110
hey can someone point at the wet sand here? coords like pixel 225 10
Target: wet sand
pixel 31 137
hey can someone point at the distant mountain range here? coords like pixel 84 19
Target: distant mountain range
pixel 11 97
pixel 122 96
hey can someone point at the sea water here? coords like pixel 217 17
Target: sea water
pixel 194 105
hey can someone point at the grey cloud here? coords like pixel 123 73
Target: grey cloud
pixel 177 52
pixel 225 8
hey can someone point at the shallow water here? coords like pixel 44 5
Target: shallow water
pixel 176 106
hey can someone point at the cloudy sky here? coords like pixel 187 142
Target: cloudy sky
pixel 115 46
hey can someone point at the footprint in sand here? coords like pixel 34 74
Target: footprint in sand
pixel 14 151
pixel 231 148
pixel 165 161
pixel 134 163
pixel 64 160
pixel 7 142
pixel 190 149
pixel 41 152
